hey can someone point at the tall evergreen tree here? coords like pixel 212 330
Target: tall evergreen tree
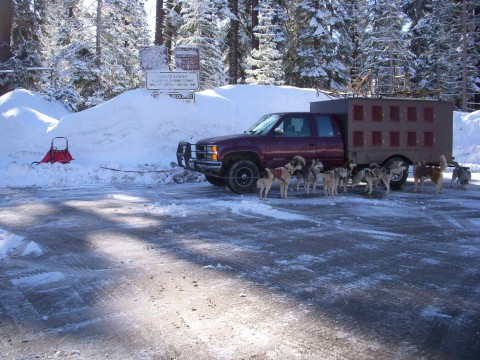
pixel 26 45
pixel 6 20
pixel 324 51
pixel 266 62
pixel 386 47
pixel 200 28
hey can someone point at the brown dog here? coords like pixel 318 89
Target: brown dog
pixel 422 172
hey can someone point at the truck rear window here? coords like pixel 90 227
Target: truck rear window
pixel 324 126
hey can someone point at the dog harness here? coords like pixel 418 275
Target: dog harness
pixel 277 172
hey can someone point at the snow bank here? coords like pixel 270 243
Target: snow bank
pixel 466 135
pixel 135 131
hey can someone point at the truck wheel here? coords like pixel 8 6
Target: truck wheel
pixel 400 179
pixel 242 177
pixel 215 181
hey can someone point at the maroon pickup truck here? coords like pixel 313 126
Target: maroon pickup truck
pixel 367 130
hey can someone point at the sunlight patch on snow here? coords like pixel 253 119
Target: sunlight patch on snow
pixel 253 208
pixel 380 235
pixel 434 312
pixel 172 210
pixel 39 279
pixel 125 197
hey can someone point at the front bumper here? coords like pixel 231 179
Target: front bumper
pixel 189 157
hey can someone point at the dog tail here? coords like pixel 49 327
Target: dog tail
pixel 443 163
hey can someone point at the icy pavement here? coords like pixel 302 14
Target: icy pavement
pixel 192 271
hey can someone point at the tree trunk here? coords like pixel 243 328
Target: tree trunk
pixel 233 43
pixel 98 43
pixel 255 42
pixel 464 56
pixel 159 23
pixel 6 17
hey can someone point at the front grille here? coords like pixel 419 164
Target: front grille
pixel 201 152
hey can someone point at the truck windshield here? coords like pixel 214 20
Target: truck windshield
pixel 264 125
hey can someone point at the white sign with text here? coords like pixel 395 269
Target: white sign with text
pixel 171 81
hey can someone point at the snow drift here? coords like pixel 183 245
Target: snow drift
pixel 138 132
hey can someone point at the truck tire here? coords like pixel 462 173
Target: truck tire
pixel 215 181
pixel 242 177
pixel 400 179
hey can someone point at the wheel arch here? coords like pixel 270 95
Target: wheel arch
pixel 399 157
pixel 231 158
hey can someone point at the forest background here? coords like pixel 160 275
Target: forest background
pixel 84 52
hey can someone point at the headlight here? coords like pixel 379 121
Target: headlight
pixel 212 152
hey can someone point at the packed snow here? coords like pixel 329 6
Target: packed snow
pixel 137 132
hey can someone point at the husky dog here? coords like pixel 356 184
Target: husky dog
pixel 283 174
pixel 264 182
pixel 376 174
pixel 310 177
pixel 345 173
pixel 330 182
pixel 366 175
pixel 422 172
pixel 462 174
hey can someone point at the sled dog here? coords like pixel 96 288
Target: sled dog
pixel 282 175
pixel 462 174
pixel 422 172
pixel 264 183
pixel 375 174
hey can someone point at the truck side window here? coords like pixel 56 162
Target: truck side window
pixel 324 126
pixel 296 126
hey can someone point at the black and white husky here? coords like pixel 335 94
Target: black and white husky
pixel 462 174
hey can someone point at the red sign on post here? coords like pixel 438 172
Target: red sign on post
pixel 187 58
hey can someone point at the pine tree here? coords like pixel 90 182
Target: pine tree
pixel 26 45
pixel 386 47
pixel 124 28
pixel 266 62
pixel 440 49
pixel 72 54
pixel 325 47
pixel 200 29
pixel 6 20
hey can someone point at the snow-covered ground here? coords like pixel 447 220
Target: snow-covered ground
pixel 135 131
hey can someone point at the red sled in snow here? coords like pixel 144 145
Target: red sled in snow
pixel 56 154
